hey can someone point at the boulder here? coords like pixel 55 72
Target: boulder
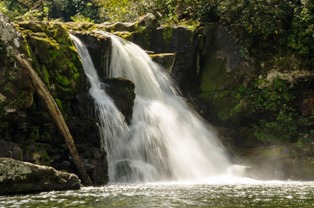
pixel 21 177
pixel 9 149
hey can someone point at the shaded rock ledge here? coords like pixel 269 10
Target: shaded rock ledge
pixel 21 177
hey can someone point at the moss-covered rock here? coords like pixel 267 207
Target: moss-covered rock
pixel 222 73
pixel 53 56
pixel 16 92
pixel 20 177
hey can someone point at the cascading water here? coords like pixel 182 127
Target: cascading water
pixel 166 139
pixel 112 124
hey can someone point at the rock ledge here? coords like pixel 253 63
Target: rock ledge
pixel 21 177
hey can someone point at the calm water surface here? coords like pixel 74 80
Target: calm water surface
pixel 185 194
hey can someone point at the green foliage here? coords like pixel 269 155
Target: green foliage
pixel 119 10
pixel 67 10
pixel 257 25
pixel 169 10
pixel 80 18
pixel 273 101
pixel 301 38
pixel 268 96
pixel 273 27
pixel 25 9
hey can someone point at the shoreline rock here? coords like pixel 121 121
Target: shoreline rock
pixel 17 177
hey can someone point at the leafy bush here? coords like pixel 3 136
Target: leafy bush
pixel 167 10
pixel 272 102
pixel 271 28
pixel 301 38
pixel 46 10
pixel 68 9
pixel 257 25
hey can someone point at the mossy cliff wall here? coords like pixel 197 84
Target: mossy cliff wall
pixel 250 105
pixel 27 130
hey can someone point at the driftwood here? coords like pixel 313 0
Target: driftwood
pixel 56 115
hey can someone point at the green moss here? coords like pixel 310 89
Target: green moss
pixel 124 35
pixel 59 103
pixel 167 35
pixel 62 80
pixel 45 75
pixel 34 134
pixel 214 79
pixel 55 59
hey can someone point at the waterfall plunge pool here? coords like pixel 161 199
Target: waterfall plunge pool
pixel 196 154
pixel 220 192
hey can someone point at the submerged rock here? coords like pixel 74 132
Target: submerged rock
pixel 22 177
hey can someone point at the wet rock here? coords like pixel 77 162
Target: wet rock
pixel 122 93
pixel 85 130
pixel 179 40
pixel 11 150
pixel 22 177
pixel 95 162
pixel 99 49
pixel 164 59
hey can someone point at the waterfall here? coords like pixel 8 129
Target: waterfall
pixel 112 122
pixel 166 139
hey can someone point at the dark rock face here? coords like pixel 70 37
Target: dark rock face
pixel 166 60
pixel 26 129
pixel 21 177
pixel 178 40
pixel 99 48
pixel 122 92
pixel 11 150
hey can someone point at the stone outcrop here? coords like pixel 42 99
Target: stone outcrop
pixel 21 177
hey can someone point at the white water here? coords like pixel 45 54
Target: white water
pixel 112 124
pixel 166 139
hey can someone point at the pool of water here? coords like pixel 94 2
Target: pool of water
pixel 179 194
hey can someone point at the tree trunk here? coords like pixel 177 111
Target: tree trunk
pixel 56 115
